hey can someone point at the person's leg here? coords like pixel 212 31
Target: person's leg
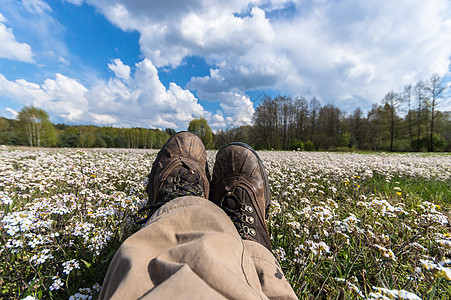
pixel 240 187
pixel 272 280
pixel 189 249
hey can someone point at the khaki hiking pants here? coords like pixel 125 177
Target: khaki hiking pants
pixel 190 249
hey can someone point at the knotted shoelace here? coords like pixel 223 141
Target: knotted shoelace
pixel 185 183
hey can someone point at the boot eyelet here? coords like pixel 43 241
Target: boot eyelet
pixel 250 220
pixel 252 232
pixel 249 231
pixel 249 209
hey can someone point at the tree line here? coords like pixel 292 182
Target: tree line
pixel 33 128
pixel 403 121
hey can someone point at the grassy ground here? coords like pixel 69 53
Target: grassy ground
pixel 349 235
pixel 367 242
pixel 343 226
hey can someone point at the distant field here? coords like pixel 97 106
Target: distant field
pixel 343 225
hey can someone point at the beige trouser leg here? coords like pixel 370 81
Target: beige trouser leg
pixel 190 249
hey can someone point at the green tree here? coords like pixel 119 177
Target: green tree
pixel 120 142
pixel 87 137
pixel 344 139
pixel 309 146
pixel 68 140
pixel 150 138
pixel 201 128
pixel 100 142
pixel 297 144
pixel 5 131
pixel 170 131
pixel 36 128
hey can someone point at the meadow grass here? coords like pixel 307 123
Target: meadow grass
pixel 343 225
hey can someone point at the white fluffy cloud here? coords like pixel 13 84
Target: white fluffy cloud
pixel 143 99
pixel 224 32
pixel 171 30
pixel 350 51
pixel 122 71
pixel 10 48
pixel 125 100
pixel 62 96
pixel 33 34
pixel 347 52
pixel 11 113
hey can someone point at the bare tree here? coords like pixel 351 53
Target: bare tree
pixel 288 113
pixel 420 91
pixel 391 102
pixel 329 125
pixel 314 109
pixel 407 98
pixel 263 120
pixel 435 88
pixel 356 121
pixel 301 116
pixel 374 131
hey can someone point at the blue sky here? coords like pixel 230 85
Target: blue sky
pixel 159 64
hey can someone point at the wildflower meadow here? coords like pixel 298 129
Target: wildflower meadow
pixel 342 225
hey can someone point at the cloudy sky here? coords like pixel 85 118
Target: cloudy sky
pixel 159 64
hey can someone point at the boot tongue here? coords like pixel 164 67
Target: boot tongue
pixel 234 200
pixel 188 175
pixel 231 203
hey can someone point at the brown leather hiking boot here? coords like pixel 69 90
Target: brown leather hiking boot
pixel 180 169
pixel 240 187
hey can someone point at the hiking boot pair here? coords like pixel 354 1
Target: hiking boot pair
pixel 239 184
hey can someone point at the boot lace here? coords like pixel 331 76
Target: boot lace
pixel 238 213
pixel 184 183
